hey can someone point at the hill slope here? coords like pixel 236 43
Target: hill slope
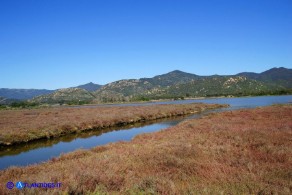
pixel 68 95
pixel 222 86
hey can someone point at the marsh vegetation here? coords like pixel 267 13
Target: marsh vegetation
pixel 235 152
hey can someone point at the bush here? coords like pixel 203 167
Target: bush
pixel 23 104
pixel 142 98
pixel 76 102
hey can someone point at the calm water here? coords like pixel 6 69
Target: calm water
pixel 38 151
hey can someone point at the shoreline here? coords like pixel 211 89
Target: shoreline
pixel 169 100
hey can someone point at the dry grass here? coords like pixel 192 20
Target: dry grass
pixel 235 152
pixel 30 124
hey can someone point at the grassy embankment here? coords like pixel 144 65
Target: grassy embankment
pixel 235 152
pixel 24 125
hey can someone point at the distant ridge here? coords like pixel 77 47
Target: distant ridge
pixel 23 94
pixel 281 76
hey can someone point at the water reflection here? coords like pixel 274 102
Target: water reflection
pixel 42 150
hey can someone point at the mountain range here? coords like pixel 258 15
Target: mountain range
pixel 175 84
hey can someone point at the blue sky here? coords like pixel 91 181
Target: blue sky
pixel 62 43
